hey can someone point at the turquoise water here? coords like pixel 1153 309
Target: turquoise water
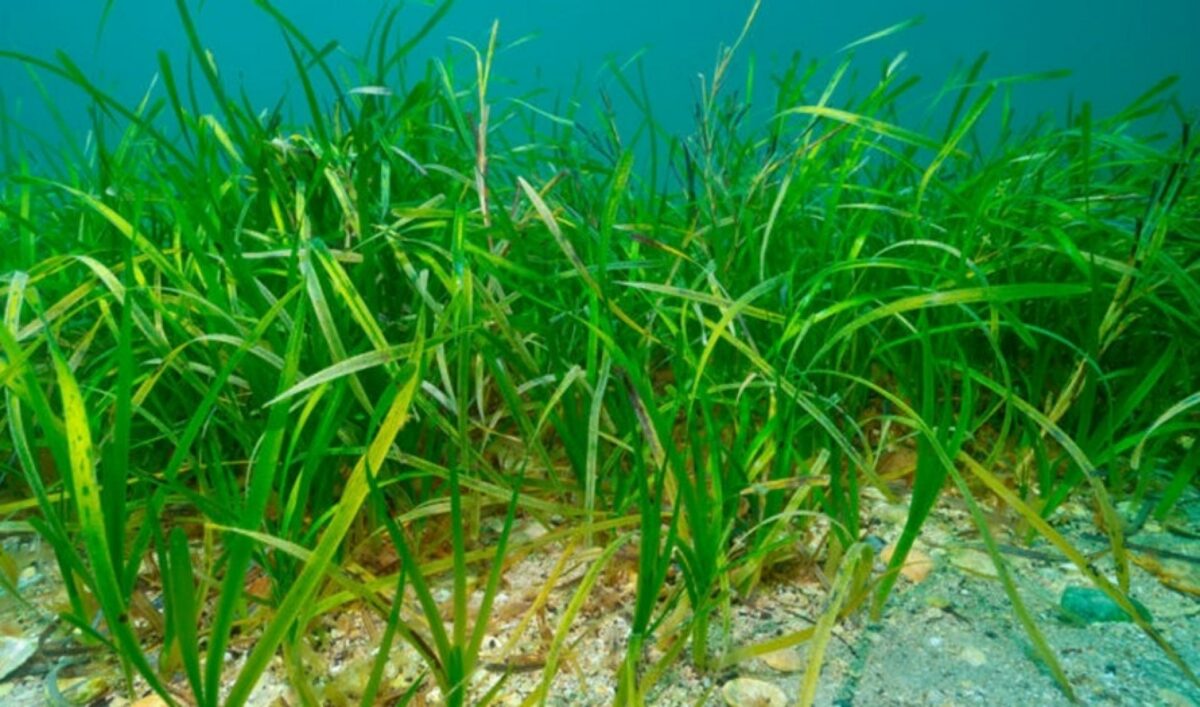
pixel 1115 48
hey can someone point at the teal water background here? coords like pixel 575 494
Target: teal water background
pixel 1115 48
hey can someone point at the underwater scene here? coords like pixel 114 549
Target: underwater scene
pixel 723 352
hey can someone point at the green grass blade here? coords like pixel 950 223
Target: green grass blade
pixel 352 498
pixel 85 492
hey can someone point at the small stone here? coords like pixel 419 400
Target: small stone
pixel 28 577
pixel 748 692
pixel 14 652
pixel 973 656
pixel 917 565
pixel 892 513
pixel 85 690
pixel 973 562
pixel 1091 605
pixel 529 532
pixel 785 660
pixel 937 601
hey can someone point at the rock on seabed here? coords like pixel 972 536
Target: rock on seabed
pixel 748 692
pixel 14 651
pixel 1093 606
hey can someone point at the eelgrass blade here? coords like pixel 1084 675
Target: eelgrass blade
pixel 492 586
pixel 263 471
pixel 868 123
pixel 1174 411
pixel 593 442
pixel 52 526
pixel 850 575
pixel 179 595
pixel 116 470
pixel 85 493
pixel 383 653
pixel 885 32
pixel 195 423
pixel 572 609
pixel 209 70
pixel 347 508
pixel 1041 647
pixel 69 71
pixel 318 56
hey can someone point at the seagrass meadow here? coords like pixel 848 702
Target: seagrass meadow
pixel 247 353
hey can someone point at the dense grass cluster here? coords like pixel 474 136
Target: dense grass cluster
pixel 235 342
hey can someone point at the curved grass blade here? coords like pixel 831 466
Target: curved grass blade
pixel 85 492
pixel 347 508
pixel 857 558
pixel 886 32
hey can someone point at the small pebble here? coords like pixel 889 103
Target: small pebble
pixel 785 660
pixel 14 652
pixel 29 576
pixel 748 692
pixel 917 565
pixel 1091 605
pixel 973 656
pixel 973 562
pixel 893 513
